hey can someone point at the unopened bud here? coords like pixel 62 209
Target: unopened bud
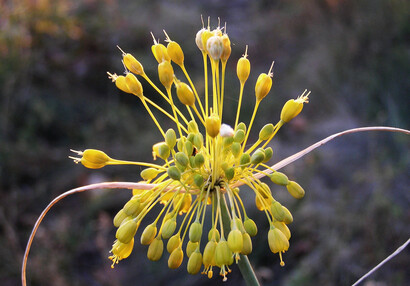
pixel 247 244
pixel 132 64
pixel 257 157
pixel 185 94
pixel 169 228
pixel 194 263
pixel 166 74
pixel 134 85
pixel 155 249
pixel 279 178
pixel 277 211
pixel 263 85
pixel 213 125
pixel 214 46
pixel 175 259
pixel 149 174
pixel 277 241
pixel 148 235
pixel 243 68
pixel 293 107
pixel 266 131
pixel 195 232
pixel 295 190
pixel 174 173
pixel 170 138
pixel 127 231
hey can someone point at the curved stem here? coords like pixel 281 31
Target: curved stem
pixel 322 142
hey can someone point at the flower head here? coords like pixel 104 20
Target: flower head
pixel 202 163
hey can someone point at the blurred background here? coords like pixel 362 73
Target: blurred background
pixel 55 95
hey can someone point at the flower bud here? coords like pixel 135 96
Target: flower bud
pixel 149 174
pixel 175 53
pixel 283 228
pixel 250 227
pixel 226 44
pixel 277 241
pixel 222 253
pixel 209 253
pixel 279 178
pixel 236 149
pixel 169 228
pixel 288 216
pixel 127 231
pixel 198 39
pixel 244 160
pixel 132 207
pixel 243 68
pixel 293 107
pixel 119 218
pixel 93 159
pixel 189 148
pixel 205 35
pixel 195 232
pixel 213 234
pixel 121 83
pixel 247 244
pixel 132 64
pixel 191 247
pixel 198 141
pixel 214 46
pixel 257 157
pixel 295 190
pixel 193 127
pixel 170 138
pixel 194 263
pixel 155 249
pixel 198 180
pixel 268 154
pixel 173 243
pixel 160 53
pixel 199 160
pixel 180 143
pixel 174 173
pixel 229 173
pixel 226 131
pixel 175 259
pixel 163 151
pixel 148 235
pixel 239 136
pixel 263 86
pixel 166 74
pixel 182 158
pixel 227 141
pixel 266 131
pixel 185 94
pixel 241 126
pixel 235 241
pixel 134 85
pixel 277 211
pixel 213 124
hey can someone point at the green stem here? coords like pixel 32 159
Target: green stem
pixel 244 265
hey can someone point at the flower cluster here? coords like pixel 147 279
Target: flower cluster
pixel 203 164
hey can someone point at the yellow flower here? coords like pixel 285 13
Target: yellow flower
pixel 203 162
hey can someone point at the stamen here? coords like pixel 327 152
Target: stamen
pixel 155 41
pixel 270 70
pixel 123 53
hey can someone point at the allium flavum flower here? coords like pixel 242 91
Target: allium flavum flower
pixel 203 162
